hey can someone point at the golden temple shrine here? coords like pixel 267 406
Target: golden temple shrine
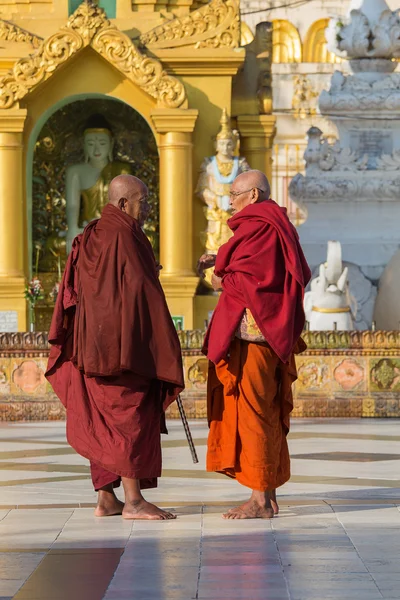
pixel 184 94
pixel 161 74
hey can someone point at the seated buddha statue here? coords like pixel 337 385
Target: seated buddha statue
pixel 86 186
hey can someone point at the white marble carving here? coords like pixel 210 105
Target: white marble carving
pixel 328 305
pixel 389 162
pixel 352 93
pixel 364 294
pixel 371 31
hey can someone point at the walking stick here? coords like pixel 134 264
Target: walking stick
pixel 187 430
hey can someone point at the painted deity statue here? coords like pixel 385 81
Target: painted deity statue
pixel 329 300
pixel 217 174
pixel 87 183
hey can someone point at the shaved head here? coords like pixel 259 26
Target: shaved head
pixel 130 194
pixel 248 188
pixel 123 185
pixel 254 179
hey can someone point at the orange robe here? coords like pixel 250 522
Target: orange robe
pixel 249 405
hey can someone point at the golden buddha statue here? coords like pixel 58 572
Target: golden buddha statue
pixel 86 186
pixel 217 174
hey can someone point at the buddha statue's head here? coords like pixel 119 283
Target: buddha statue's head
pixel 98 141
pixel 227 139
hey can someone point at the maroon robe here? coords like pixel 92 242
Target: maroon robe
pixel 263 268
pixel 115 361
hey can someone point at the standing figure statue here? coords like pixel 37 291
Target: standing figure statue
pixel 217 174
pixel 329 302
pixel 87 183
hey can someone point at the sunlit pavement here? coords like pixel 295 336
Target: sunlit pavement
pixel 337 535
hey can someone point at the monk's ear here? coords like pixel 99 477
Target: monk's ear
pixel 255 195
pixel 121 204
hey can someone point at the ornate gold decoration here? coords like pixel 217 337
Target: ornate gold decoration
pixel 89 26
pixel 385 374
pixel 12 33
pixel 286 43
pixel 198 372
pixel 334 374
pixel 225 168
pixel 226 132
pixel 32 410
pixel 304 101
pixel 215 25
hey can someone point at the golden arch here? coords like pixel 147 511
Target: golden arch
pixel 286 42
pixel 315 45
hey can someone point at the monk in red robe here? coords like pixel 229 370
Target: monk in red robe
pixel 115 361
pixel 251 341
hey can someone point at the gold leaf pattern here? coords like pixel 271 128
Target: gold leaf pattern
pixel 12 33
pixel 215 25
pixel 89 26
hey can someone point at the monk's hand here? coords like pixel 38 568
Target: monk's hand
pixel 158 268
pixel 206 261
pixel 216 282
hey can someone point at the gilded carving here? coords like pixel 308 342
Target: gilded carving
pixel 12 33
pixel 12 342
pixel 385 375
pixel 349 374
pixel 198 372
pixel 4 377
pixel 88 19
pixel 32 411
pixel 215 25
pixel 89 26
pixel 313 374
pixel 304 101
pixel 28 377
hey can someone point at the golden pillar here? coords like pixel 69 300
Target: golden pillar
pixel 12 219
pixel 175 128
pixel 257 134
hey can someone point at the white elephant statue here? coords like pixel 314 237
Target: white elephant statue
pixel 329 304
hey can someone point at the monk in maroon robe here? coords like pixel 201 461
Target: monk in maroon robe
pixel 115 361
pixel 251 341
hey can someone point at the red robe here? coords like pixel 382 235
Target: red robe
pixel 115 361
pixel 263 268
pixel 250 384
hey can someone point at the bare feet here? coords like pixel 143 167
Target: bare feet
pixel 141 509
pixel 258 507
pixel 274 502
pixel 108 504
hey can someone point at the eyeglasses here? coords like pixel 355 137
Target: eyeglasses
pixel 236 194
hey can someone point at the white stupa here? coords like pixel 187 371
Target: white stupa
pixel 351 189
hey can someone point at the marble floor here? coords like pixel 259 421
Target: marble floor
pixel 337 535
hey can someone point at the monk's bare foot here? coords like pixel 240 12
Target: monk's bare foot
pixel 108 505
pixel 141 509
pixel 274 503
pixel 258 507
